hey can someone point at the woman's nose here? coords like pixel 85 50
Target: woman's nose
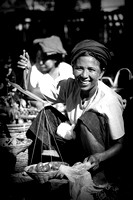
pixel 41 62
pixel 85 73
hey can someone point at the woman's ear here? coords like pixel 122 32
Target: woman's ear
pixel 102 73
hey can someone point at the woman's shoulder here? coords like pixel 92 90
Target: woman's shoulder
pixel 108 93
pixel 67 85
pixel 69 82
pixel 106 89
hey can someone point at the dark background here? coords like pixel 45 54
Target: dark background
pixel 19 26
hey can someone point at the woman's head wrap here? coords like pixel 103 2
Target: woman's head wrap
pixel 94 48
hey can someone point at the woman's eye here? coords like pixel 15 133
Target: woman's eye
pixel 78 68
pixel 91 70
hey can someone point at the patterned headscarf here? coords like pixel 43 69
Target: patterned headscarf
pixel 94 48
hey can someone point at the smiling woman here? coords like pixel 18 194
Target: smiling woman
pixel 97 124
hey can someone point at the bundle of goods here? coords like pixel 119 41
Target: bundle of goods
pixel 16 110
pixel 42 172
pixel 17 114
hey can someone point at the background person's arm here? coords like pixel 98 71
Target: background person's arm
pixel 25 64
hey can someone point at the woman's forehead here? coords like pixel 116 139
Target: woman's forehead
pixel 87 59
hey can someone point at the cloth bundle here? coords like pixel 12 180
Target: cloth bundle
pixel 65 130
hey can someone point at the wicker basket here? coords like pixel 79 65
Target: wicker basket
pixel 43 177
pixel 16 149
pixel 18 130
pixel 20 148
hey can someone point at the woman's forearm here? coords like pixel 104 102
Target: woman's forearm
pixel 113 151
pixel 97 158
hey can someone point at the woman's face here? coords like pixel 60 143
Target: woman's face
pixel 87 72
pixel 44 63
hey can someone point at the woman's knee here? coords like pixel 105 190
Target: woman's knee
pixel 82 129
pixel 89 139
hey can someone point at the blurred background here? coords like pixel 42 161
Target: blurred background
pixel 108 21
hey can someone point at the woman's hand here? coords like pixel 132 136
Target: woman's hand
pixel 24 61
pixel 94 160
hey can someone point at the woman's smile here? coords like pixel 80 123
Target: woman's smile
pixel 84 82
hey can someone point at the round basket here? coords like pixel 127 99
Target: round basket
pixel 43 177
pixel 18 130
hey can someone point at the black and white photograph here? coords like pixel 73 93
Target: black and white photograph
pixel 66 99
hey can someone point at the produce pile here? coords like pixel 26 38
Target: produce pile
pixel 42 172
pixel 45 167
pixel 16 110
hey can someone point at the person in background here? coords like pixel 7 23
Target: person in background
pixel 93 130
pixel 47 65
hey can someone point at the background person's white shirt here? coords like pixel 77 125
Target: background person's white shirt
pixel 65 72
pixel 48 84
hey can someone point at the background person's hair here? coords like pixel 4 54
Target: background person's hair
pixel 37 50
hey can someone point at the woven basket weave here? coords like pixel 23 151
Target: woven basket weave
pixel 19 148
pixel 18 130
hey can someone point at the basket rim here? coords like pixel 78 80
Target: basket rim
pixel 19 125
pixel 29 141
pixel 47 172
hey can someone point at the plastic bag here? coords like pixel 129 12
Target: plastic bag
pixel 81 185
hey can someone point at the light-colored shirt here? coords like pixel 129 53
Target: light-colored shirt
pixel 105 101
pixel 49 84
pixel 65 71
